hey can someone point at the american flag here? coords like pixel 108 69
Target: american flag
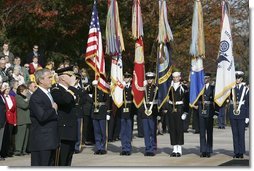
pixel 94 51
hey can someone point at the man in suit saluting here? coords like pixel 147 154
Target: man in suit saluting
pixel 44 137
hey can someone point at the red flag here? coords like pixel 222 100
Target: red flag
pixel 138 74
pixel 94 52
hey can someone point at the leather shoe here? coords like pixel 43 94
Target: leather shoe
pixel 128 153
pixel 236 156
pixel 203 154
pixel 123 153
pixel 208 155
pixel 103 152
pixel 173 154
pixel 241 156
pixel 97 152
pixel 178 155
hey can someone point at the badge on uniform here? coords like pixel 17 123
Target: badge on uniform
pixel 126 110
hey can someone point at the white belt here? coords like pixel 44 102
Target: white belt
pixel 176 103
pixel 154 102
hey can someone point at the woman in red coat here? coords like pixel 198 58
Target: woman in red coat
pixel 11 121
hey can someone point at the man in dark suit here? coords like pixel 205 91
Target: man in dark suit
pixel 44 137
pixel 36 53
pixel 206 114
pixel 63 95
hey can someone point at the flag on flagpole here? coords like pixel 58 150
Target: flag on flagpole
pixel 164 55
pixel 138 90
pixel 197 50
pixel 94 52
pixel 114 47
pixel 225 77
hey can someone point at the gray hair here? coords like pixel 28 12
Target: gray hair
pixel 40 74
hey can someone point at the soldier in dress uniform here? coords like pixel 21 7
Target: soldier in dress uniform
pixel 126 116
pixel 239 114
pixel 100 116
pixel 149 113
pixel 78 110
pixel 206 114
pixel 176 115
pixel 63 94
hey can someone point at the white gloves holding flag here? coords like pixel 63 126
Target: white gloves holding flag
pixel 95 82
pixel 145 83
pixel 184 115
pixel 108 117
pixel 247 120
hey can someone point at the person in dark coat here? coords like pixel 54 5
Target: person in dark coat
pixel 44 137
pixel 176 115
pixel 88 131
pixel 126 116
pixel 2 118
pixel 36 53
pixel 100 116
pixel 239 114
pixel 63 94
pixel 206 114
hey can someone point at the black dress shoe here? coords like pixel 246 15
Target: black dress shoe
pixel 241 156
pixel 103 152
pixel 203 154
pixel 173 154
pixel 128 153
pixel 236 156
pixel 123 153
pixel 178 155
pixel 146 154
pixel 97 152
pixel 208 155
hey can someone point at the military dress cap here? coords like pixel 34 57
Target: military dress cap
pixel 150 75
pixel 239 74
pixel 65 71
pixel 176 74
pixel 127 75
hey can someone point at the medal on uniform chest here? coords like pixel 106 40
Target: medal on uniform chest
pixel 126 109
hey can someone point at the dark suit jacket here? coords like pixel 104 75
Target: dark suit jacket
pixel 2 112
pixel 41 59
pixel 44 132
pixel 67 122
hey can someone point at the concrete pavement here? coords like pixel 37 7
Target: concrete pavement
pixel 223 152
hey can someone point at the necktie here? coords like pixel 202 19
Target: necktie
pixel 50 97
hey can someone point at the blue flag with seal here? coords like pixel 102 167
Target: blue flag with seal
pixel 197 50
pixel 164 53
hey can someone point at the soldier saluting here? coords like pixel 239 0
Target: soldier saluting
pixel 176 115
pixel 62 93
pixel 239 114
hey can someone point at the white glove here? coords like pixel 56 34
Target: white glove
pixel 215 116
pixel 247 120
pixel 145 83
pixel 108 117
pixel 124 83
pixel 183 117
pixel 158 118
pixel 95 83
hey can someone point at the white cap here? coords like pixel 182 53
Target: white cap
pixel 239 73
pixel 150 75
pixel 176 74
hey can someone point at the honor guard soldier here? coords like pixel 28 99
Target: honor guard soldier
pixel 239 114
pixel 126 117
pixel 176 115
pixel 206 113
pixel 100 115
pixel 78 110
pixel 63 95
pixel 149 113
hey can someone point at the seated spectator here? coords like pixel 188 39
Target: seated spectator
pixel 23 70
pixel 17 76
pixel 34 66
